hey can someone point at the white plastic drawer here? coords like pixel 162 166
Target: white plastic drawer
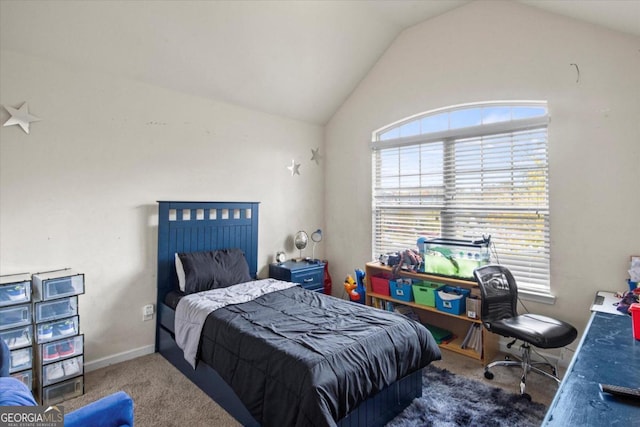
pixel 17 338
pixel 15 289
pixel 63 391
pixel 61 349
pixel 56 309
pixel 15 316
pixel 57 284
pixel 25 376
pixel 60 371
pixel 57 329
pixel 20 359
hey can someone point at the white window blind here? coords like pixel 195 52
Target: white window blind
pixel 466 182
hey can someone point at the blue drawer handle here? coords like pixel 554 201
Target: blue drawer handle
pixel 309 280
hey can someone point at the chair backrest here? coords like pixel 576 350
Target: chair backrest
pixel 499 292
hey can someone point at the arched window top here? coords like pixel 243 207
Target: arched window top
pixel 456 118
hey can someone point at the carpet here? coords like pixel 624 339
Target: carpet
pixel 453 400
pixel 164 397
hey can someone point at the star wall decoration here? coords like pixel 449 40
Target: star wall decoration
pixel 315 155
pixel 294 168
pixel 20 117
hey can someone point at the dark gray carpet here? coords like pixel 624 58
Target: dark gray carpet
pixel 453 400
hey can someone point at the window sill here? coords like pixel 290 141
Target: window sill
pixel 544 298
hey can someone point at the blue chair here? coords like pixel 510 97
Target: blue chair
pixel 115 410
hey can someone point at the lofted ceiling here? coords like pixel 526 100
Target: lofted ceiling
pixel 293 58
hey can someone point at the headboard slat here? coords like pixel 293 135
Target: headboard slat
pixel 203 226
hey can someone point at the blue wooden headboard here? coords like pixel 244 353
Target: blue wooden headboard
pixel 203 226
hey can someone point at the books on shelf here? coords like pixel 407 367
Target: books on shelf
pixel 473 339
pixel 441 335
pixel 382 304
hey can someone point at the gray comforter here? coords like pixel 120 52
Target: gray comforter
pixel 299 358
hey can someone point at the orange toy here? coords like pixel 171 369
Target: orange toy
pixel 350 285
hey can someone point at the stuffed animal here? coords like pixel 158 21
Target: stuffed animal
pixel 410 259
pixel 350 286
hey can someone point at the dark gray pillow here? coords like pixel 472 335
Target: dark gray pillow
pixel 214 269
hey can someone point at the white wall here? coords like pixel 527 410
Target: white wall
pixel 80 191
pixel 500 51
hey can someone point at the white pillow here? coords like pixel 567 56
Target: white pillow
pixel 180 273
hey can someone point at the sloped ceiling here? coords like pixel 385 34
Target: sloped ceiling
pixel 298 59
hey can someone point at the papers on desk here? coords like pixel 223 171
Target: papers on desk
pixel 606 302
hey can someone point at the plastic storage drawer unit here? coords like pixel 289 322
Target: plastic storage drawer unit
pixel 57 284
pixel 26 377
pixel 56 309
pixel 61 349
pixel 451 299
pixel 425 293
pixel 21 359
pixel 19 337
pixel 15 289
pixel 63 391
pixel 63 370
pixel 15 316
pixel 56 329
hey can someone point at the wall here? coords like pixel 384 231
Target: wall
pixel 500 51
pixel 80 190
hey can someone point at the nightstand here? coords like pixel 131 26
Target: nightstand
pixel 310 274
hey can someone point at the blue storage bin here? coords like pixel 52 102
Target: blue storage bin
pixel 401 289
pixel 452 299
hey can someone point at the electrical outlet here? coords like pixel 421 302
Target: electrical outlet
pixel 147 312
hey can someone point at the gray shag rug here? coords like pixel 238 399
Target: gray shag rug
pixel 453 400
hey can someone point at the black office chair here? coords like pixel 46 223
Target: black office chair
pixel 500 316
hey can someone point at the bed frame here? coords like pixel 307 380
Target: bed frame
pixel 206 226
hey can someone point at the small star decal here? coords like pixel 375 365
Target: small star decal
pixel 315 155
pixel 20 117
pixel 294 168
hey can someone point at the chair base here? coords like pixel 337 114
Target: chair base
pixel 527 365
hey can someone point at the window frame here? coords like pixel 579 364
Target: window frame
pixel 449 138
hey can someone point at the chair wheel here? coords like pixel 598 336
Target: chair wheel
pixel 488 375
pixel 526 396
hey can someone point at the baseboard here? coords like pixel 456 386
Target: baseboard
pixel 120 357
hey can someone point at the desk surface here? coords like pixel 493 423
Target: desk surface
pixel 607 354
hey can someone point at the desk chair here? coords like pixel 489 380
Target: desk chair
pixel 500 316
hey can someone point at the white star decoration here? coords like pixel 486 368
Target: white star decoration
pixel 20 117
pixel 315 155
pixel 294 168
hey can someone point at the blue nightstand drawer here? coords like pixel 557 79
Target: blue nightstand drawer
pixel 309 279
pixel 309 274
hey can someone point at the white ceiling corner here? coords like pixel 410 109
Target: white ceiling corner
pixel 298 59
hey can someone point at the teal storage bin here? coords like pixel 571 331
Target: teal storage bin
pixel 452 300
pixel 401 289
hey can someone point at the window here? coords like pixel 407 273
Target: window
pixel 463 172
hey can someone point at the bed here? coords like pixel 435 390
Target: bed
pixel 332 391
